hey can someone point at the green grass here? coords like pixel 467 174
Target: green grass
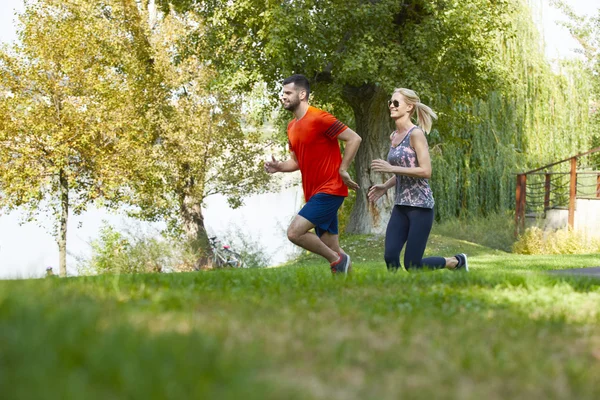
pixel 506 330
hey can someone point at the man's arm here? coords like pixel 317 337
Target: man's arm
pixel 289 165
pixel 352 142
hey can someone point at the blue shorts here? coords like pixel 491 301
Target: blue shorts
pixel 321 210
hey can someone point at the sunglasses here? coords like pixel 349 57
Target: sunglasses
pixel 396 103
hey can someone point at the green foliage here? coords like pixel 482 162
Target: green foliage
pixel 561 241
pixel 108 251
pixel 346 209
pixel 352 43
pixel 586 30
pixel 478 63
pixel 537 117
pixel 198 148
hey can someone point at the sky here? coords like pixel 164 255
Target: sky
pixel 26 249
pixel 557 39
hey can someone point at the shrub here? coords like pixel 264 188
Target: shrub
pixel 562 241
pixel 134 252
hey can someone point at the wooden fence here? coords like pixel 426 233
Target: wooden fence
pixel 557 186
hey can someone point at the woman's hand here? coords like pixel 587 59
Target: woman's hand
pixel 380 166
pixel 376 191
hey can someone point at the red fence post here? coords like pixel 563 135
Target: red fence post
pixel 523 199
pixel 547 192
pixel 572 191
pixel 598 186
pixel 520 202
pixel 517 204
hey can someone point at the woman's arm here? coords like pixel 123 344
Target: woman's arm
pixel 419 143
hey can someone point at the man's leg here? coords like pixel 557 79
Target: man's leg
pixel 298 233
pixel 332 241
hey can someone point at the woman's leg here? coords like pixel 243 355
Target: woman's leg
pixel 395 237
pixel 420 221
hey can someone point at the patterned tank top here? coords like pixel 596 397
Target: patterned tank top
pixel 414 192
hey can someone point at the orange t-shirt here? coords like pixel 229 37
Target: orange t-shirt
pixel 313 139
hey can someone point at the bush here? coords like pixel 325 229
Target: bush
pixel 134 252
pixel 563 241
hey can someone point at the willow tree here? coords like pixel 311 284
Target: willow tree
pixel 355 52
pixel 62 111
pixel 537 117
pixel 586 30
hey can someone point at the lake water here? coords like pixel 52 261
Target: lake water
pixel 27 249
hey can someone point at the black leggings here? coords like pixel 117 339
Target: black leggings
pixel 410 225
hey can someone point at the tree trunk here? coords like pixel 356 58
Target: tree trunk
pixel 195 232
pixel 373 124
pixel 64 217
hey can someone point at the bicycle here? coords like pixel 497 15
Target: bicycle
pixel 223 256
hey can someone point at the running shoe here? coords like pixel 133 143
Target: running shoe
pixel 342 266
pixel 463 263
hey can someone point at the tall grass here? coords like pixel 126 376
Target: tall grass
pixel 494 231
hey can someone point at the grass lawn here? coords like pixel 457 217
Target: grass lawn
pixel 507 330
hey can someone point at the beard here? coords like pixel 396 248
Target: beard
pixel 292 105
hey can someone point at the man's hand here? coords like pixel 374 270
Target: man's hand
pixel 381 166
pixel 348 181
pixel 273 165
pixel 376 191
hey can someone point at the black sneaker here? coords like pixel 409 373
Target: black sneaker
pixel 463 263
pixel 342 266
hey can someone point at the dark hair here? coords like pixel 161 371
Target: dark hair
pixel 299 81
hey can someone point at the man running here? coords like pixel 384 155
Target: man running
pixel 314 149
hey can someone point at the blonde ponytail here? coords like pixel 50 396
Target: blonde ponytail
pixel 425 115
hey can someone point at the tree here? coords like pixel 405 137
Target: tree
pixel 62 111
pixel 97 108
pixel 478 63
pixel 586 30
pixel 199 148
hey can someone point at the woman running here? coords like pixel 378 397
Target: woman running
pixel 409 161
